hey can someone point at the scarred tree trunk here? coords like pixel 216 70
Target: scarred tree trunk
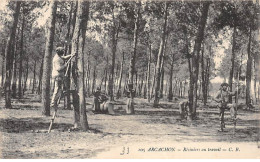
pixel 78 43
pixel 47 61
pixel 195 62
pixel 160 58
pixel 9 56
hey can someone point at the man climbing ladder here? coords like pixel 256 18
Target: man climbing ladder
pixel 58 71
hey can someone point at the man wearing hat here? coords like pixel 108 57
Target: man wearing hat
pixel 222 97
pixel 58 69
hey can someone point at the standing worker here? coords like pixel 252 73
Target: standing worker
pixel 58 70
pixel 222 97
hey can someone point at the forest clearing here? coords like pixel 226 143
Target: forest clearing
pixel 92 79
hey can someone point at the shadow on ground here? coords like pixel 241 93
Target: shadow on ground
pixel 21 125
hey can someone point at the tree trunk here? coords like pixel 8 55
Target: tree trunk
pixel 170 94
pixel 3 64
pixel 21 61
pixel 184 88
pixel 94 79
pixel 88 74
pixel 25 77
pixel 114 45
pixel 195 61
pixel 106 75
pixel 66 87
pixel 149 74
pixel 153 82
pixel 14 80
pixel 40 78
pixel 34 76
pixel 162 83
pixel 160 58
pixel 233 55
pixel 136 82
pixel 48 60
pixel 248 70
pixel 78 43
pixel 140 86
pixel 9 56
pixel 119 90
pixel 207 78
pixel 180 89
pixel 203 78
pixel 162 68
pixel 144 89
pixel 255 82
pixel 132 70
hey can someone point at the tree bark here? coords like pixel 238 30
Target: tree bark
pixel 9 56
pixel 48 60
pixel 78 43
pixel 160 58
pixel 195 62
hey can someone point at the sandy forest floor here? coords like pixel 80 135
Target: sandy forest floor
pixel 20 137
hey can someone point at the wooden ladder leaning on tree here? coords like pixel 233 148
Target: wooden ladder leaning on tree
pixel 73 92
